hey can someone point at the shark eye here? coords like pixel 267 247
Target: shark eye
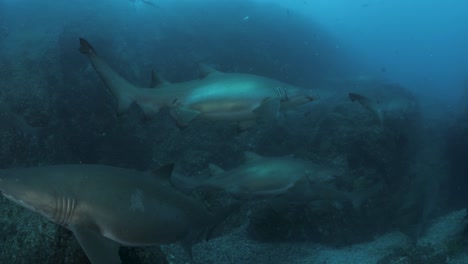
pixel 281 92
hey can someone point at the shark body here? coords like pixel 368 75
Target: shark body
pixel 263 176
pixel 106 207
pixel 238 97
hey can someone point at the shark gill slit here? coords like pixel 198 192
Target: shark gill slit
pixel 64 209
pixel 281 93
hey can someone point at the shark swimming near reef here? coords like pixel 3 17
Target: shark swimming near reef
pixel 261 176
pixel 237 97
pixel 106 207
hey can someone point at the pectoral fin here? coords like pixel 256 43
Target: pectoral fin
pixel 99 249
pixel 183 115
pixel 269 109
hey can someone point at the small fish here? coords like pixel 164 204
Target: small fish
pixel 368 104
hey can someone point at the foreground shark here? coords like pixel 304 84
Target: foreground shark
pixel 263 176
pixel 106 207
pixel 242 98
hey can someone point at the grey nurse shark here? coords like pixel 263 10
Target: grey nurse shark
pixel 293 179
pixel 238 97
pixel 106 207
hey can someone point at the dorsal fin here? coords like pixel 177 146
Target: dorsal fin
pixel 214 169
pixel 251 156
pixel 164 172
pixel 206 70
pixel 156 80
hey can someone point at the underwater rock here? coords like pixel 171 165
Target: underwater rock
pixel 238 248
pixel 374 156
pixel 440 243
pixel 456 152
pixel 415 255
pixel 389 248
pixel 445 229
pixel 28 238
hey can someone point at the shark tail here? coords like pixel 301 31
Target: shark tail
pixel 85 47
pixel 208 232
pixel 125 92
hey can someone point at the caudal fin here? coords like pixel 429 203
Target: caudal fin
pixel 125 92
pixel 208 232
pixel 85 47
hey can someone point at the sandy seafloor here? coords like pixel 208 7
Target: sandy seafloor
pixel 237 247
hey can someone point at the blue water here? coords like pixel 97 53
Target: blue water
pixel 420 44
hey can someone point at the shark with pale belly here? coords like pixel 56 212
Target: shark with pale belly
pixel 241 98
pixel 106 207
pixel 289 178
